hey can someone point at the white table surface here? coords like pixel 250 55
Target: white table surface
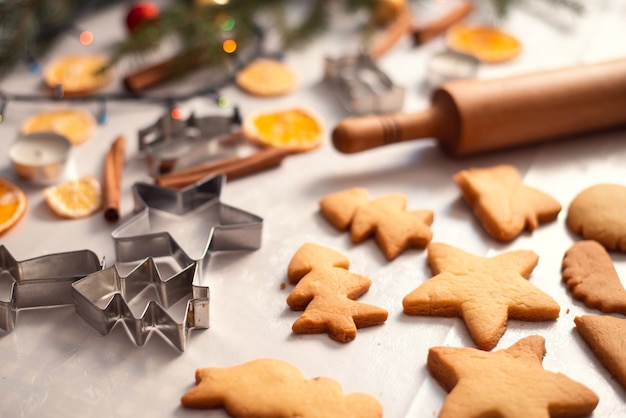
pixel 54 364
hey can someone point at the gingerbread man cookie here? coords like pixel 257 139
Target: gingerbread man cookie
pixel 271 388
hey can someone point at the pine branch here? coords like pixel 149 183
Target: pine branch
pixel 29 27
pixel 502 7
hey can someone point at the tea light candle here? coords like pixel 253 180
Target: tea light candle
pixel 40 156
pixel 450 65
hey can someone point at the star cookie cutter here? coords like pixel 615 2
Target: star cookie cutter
pixel 43 281
pixel 163 212
pixel 104 298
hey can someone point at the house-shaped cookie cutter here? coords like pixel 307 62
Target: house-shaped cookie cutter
pixel 361 86
pixel 172 144
pixel 43 281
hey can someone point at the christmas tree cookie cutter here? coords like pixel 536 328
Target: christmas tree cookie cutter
pixel 169 306
pixel 43 281
pixel 172 144
pixel 361 86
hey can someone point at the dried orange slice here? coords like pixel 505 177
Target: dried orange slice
pixel 292 130
pixel 12 205
pixel 76 198
pixel 74 124
pixel 78 74
pixel 266 77
pixel 488 44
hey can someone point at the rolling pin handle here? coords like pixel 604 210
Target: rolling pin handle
pixel 363 133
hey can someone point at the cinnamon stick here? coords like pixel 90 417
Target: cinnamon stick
pixel 399 27
pixel 161 72
pixel 113 169
pixel 426 33
pixel 233 168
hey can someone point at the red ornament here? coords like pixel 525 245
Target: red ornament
pixel 140 13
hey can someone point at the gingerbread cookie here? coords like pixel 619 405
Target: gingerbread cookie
pixel 276 389
pixel 394 228
pixel 326 291
pixel 502 203
pixel 484 291
pixel 506 383
pixel 590 276
pixel 597 213
pixel 605 335
pixel 265 77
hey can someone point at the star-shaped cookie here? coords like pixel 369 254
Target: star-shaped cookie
pixel 325 290
pixel 509 383
pixel 273 388
pixel 484 291
pixel 503 203
pixel 590 276
pixel 394 228
pixel 605 335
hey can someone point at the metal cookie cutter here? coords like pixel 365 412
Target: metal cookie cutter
pixel 173 144
pixel 106 297
pixel 170 306
pixel 362 87
pixel 43 281
pixel 194 214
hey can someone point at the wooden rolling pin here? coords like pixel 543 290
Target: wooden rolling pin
pixel 474 116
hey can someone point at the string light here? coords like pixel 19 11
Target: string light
pixel 223 102
pixel 228 24
pixel 3 105
pixel 102 113
pixel 86 37
pixel 57 94
pixel 33 65
pixel 176 113
pixel 229 46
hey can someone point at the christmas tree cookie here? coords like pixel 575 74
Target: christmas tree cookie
pixel 326 291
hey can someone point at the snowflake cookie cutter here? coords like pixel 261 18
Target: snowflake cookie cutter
pixel 43 281
pixel 105 298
